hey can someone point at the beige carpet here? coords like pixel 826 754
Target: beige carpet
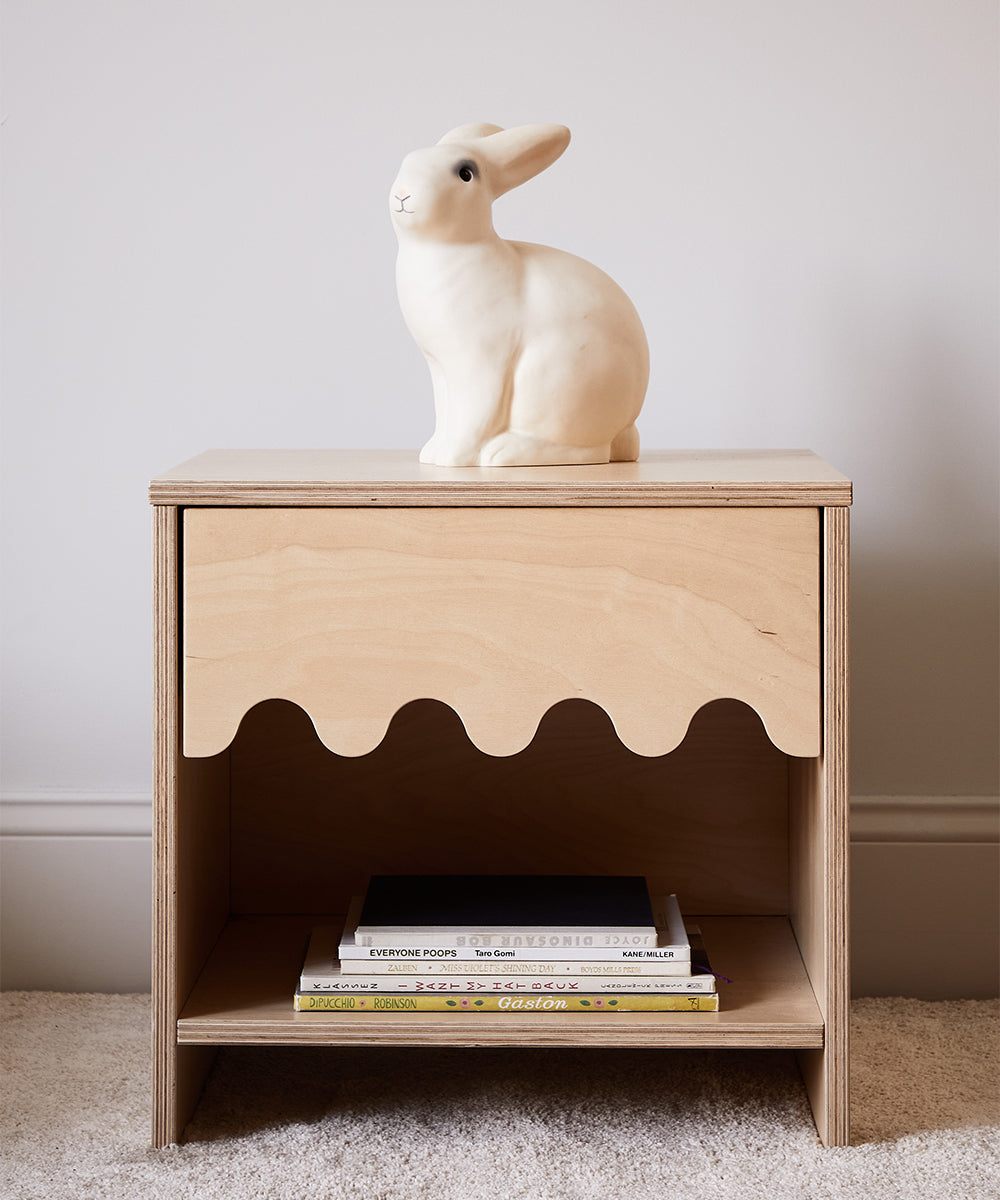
pixel 397 1124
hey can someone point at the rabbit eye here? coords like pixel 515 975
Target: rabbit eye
pixel 466 170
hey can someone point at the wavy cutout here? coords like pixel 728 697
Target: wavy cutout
pixel 561 717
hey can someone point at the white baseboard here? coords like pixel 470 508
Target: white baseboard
pixel 75 885
pixel 62 813
pixel 75 890
pixel 75 913
pixel 925 872
pixel 925 819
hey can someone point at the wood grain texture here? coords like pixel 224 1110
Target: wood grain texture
pixel 501 613
pixel 244 997
pixel 708 821
pixel 377 478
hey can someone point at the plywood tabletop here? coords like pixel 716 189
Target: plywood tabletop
pixel 369 478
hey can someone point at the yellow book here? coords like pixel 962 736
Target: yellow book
pixel 372 1002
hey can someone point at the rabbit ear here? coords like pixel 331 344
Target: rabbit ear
pixel 467 133
pixel 516 155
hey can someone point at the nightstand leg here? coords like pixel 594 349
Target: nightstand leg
pixel 819 826
pixel 189 906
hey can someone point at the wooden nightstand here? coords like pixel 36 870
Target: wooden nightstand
pixel 364 666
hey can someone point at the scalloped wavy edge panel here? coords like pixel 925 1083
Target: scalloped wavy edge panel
pixel 501 614
pixel 493 739
pixel 671 741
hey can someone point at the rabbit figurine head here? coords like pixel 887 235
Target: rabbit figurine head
pixel 536 356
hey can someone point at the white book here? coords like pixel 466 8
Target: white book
pixel 322 974
pixel 670 955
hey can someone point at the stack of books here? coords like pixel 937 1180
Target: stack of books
pixel 507 943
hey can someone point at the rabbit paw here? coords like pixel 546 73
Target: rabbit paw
pixel 429 452
pixel 625 447
pixel 438 452
pixel 513 449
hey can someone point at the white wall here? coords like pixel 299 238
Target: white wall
pixel 801 198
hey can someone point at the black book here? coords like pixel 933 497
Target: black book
pixel 527 910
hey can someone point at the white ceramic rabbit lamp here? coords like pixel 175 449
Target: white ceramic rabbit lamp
pixel 536 356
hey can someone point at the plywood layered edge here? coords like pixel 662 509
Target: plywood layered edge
pixel 819 838
pixel 166 720
pixel 371 479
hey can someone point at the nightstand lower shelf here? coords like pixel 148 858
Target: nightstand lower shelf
pixel 244 996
